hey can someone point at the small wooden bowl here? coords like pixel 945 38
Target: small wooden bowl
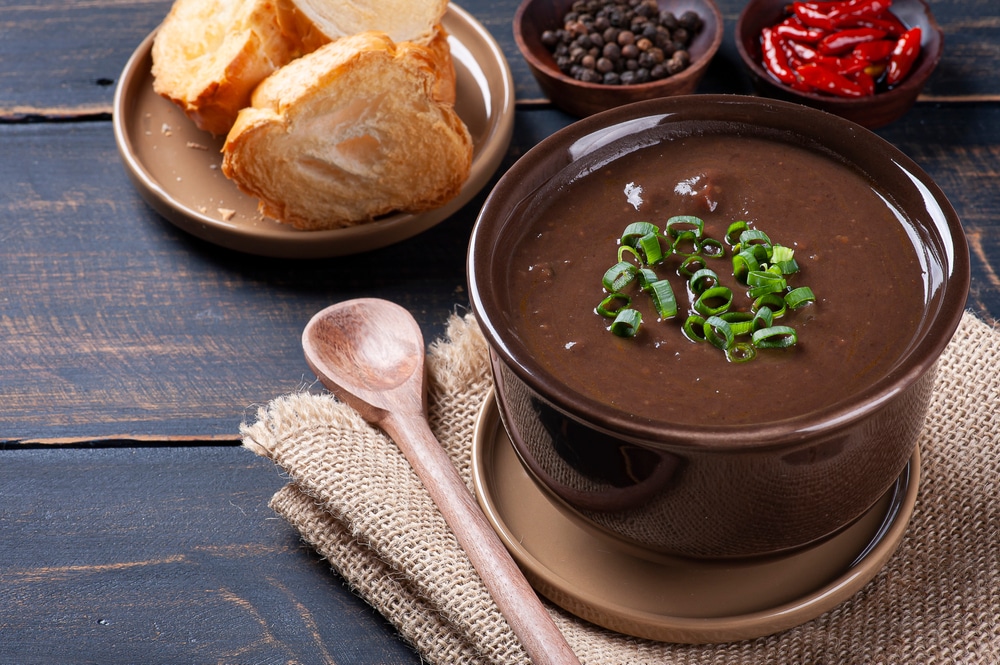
pixel 581 99
pixel 871 112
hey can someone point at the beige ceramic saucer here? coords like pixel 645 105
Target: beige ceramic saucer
pixel 175 166
pixel 672 599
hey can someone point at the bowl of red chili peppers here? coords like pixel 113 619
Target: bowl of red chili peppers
pixel 864 60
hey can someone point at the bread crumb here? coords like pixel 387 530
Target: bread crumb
pixel 227 214
pixel 165 130
pixel 196 146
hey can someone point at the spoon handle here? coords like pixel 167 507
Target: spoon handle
pixel 512 593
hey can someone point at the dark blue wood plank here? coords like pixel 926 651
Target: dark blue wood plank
pixel 167 555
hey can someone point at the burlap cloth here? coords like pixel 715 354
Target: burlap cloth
pixel 354 498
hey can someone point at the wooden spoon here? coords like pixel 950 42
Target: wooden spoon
pixel 370 354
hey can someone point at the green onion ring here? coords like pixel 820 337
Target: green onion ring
pixel 803 295
pixel 692 224
pixel 740 322
pixel 694 328
pixel 762 318
pixel 744 262
pixel 732 236
pixel 741 352
pixel 650 246
pixel 775 337
pixel 606 309
pixel 753 237
pixel 626 324
pixel 688 237
pixel 618 276
pixel 663 299
pixel 718 333
pixel 636 230
pixel 772 301
pixel 698 280
pixel 723 293
pixel 685 269
pixel 711 248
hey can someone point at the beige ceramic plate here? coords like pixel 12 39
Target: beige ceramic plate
pixel 671 599
pixel 175 166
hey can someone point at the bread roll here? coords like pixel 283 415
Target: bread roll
pixel 352 131
pixel 209 55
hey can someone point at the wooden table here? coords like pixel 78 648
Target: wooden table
pixel 133 526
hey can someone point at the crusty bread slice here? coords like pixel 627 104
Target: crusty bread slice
pixel 352 131
pixel 209 55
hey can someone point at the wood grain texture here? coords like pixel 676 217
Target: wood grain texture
pixel 167 555
pixel 121 332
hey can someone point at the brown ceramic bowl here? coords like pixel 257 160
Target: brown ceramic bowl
pixel 871 112
pixel 707 490
pixel 533 17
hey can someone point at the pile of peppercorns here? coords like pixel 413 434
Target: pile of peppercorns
pixel 622 42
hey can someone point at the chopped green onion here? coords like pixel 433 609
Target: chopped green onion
pixel 744 262
pixel 762 318
pixel 781 253
pixel 762 282
pixel 683 224
pixel 711 248
pixel 772 301
pixel 732 236
pixel 613 304
pixel 703 280
pixel 690 266
pixel 626 324
pixel 803 295
pixel 663 299
pixel 619 275
pixel 628 249
pixel 775 337
pixel 636 230
pixel 740 322
pixel 741 352
pixel 650 246
pixel 686 243
pixel 718 333
pixel 753 237
pixel 722 294
pixel 694 328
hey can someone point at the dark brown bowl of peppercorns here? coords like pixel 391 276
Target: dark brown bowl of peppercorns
pixel 592 55
pixel 864 60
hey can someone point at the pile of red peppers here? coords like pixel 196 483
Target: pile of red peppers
pixel 846 48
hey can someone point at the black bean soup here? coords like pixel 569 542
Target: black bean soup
pixel 850 242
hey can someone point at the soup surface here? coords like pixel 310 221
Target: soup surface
pixel 851 245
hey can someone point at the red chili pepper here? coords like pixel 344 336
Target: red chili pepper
pixel 803 52
pixel 875 51
pixel 845 40
pixel 903 55
pixel 864 81
pixel 775 59
pixel 847 13
pixel 811 16
pixel 800 33
pixel 843 66
pixel 887 22
pixel 824 80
